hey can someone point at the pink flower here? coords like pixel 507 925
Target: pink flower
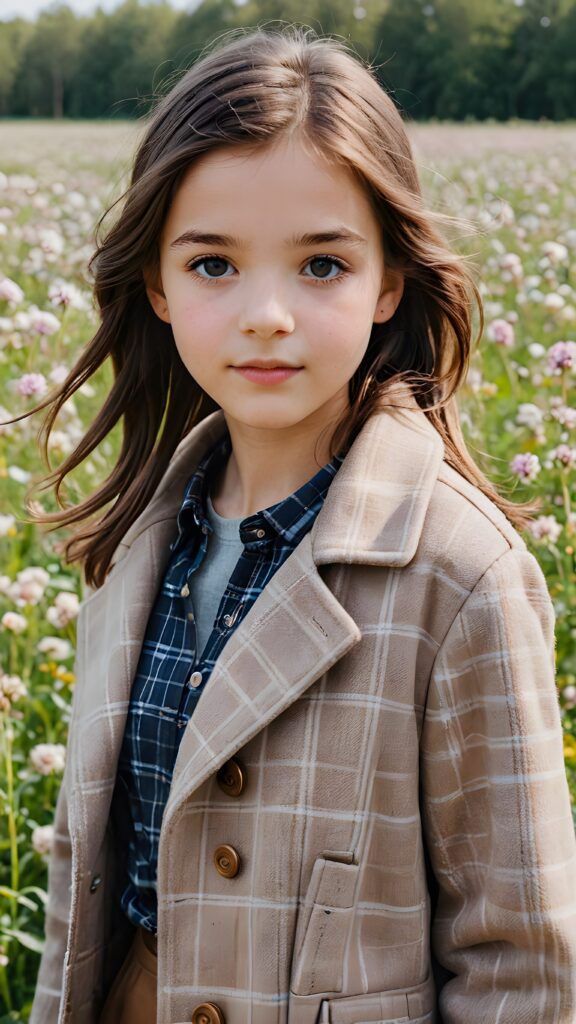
pixel 565 455
pixel 562 356
pixel 43 322
pixel 525 465
pixel 566 415
pixel 545 528
pixel 32 384
pixel 501 332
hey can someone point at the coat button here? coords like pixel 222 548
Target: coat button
pixel 227 861
pixel 95 883
pixel 231 777
pixel 208 1013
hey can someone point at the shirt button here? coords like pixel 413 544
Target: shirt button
pixel 95 883
pixel 260 533
pixel 190 616
pixel 185 590
pixel 227 620
pixel 204 528
pixel 195 679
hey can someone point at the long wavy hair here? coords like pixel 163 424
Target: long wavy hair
pixel 252 87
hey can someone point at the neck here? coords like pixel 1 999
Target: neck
pixel 266 466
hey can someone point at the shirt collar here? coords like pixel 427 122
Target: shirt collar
pixel 288 519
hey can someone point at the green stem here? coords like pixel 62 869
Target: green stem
pixel 566 497
pixel 12 832
pixel 4 989
pixel 509 372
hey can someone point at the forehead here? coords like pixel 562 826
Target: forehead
pixel 238 190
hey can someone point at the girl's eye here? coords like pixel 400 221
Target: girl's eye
pixel 218 263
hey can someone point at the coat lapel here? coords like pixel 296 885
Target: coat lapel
pixel 294 632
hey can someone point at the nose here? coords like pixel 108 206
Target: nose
pixel 266 312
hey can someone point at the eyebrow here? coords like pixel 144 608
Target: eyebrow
pixel 338 234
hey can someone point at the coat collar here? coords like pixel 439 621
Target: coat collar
pixel 294 633
pixel 375 507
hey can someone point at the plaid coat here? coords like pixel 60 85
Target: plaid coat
pixel 379 743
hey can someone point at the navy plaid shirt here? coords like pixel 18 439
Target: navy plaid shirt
pixel 171 673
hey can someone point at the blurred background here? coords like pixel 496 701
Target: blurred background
pixel 448 59
pixel 488 94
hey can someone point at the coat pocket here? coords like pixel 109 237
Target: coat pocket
pixel 415 1005
pixel 323 927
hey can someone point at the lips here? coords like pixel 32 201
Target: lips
pixel 270 375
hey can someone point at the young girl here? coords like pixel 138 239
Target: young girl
pixel 315 764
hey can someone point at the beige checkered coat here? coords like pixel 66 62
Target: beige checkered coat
pixel 391 697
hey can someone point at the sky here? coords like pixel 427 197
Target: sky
pixel 30 8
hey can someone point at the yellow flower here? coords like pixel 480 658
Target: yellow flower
pixel 570 749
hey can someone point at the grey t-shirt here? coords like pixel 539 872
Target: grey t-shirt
pixel 209 582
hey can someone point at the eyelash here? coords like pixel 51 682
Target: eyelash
pixel 317 280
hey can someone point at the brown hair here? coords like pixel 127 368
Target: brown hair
pixel 252 87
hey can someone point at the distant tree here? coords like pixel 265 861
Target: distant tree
pixel 14 36
pixel 449 59
pixel 122 55
pixel 46 64
pixel 559 72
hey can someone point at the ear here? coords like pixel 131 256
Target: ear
pixel 156 296
pixel 389 298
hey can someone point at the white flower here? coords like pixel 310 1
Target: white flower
pixel 58 374
pixel 56 647
pixel 529 415
pixel 11 689
pixel 21 476
pixel 64 609
pixel 34 572
pixel 10 291
pixel 7 523
pixel 13 622
pixel 63 293
pixel 29 592
pixel 554 301
pixel 48 757
pixel 569 696
pixel 51 241
pixel 43 839
pixel 555 252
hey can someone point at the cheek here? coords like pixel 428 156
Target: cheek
pixel 197 329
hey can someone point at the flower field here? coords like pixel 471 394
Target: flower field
pixel 513 183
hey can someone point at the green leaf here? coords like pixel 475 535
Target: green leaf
pixel 32 942
pixel 10 894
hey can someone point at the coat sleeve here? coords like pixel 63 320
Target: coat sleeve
pixel 48 994
pixel 496 807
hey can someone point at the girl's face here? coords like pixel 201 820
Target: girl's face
pixel 260 287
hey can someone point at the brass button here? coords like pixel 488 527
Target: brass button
pixel 185 590
pixel 207 1013
pixel 227 860
pixel 231 777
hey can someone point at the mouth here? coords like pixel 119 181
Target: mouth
pixel 267 374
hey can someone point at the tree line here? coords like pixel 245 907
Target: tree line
pixel 446 59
